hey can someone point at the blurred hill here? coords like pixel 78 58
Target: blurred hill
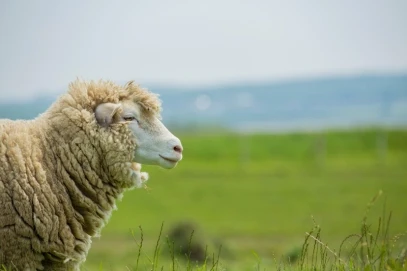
pixel 337 102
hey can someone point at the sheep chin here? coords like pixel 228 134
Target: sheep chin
pixel 137 178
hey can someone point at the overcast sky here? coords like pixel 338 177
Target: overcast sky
pixel 45 44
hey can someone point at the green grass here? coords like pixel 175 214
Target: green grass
pixel 259 194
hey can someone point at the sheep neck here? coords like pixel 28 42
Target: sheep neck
pixel 80 174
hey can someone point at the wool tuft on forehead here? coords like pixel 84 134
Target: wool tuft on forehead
pixel 89 94
pixel 149 102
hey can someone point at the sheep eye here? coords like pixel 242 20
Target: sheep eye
pixel 129 118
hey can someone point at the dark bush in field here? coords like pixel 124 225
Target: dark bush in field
pixel 188 241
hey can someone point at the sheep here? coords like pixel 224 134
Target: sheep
pixel 61 173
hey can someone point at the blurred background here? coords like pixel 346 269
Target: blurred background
pixel 291 113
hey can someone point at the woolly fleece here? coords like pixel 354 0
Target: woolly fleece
pixel 61 173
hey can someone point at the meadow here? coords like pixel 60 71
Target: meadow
pixel 258 194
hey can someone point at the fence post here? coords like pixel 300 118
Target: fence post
pixel 320 149
pixel 381 146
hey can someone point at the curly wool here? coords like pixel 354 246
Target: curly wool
pixel 61 174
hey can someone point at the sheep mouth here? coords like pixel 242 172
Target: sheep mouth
pixel 171 160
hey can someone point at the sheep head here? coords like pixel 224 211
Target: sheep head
pixel 155 144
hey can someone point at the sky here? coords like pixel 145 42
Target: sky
pixel 46 44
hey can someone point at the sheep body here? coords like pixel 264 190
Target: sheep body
pixel 61 174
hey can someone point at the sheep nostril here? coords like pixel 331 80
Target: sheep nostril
pixel 178 148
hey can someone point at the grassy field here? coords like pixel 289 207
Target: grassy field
pixel 261 193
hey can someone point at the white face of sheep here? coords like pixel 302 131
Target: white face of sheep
pixel 156 145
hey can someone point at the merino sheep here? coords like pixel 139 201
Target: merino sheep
pixel 61 173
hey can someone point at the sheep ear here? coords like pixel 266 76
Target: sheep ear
pixel 105 113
